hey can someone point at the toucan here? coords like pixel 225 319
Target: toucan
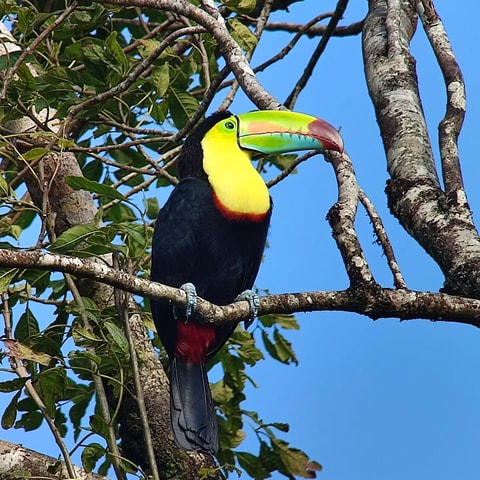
pixel 209 239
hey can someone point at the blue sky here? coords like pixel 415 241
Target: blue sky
pixel 369 400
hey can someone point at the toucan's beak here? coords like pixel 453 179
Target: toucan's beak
pixel 275 131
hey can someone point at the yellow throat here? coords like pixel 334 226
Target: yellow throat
pixel 238 187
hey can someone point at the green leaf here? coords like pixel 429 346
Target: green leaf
pixel 116 52
pixel 247 350
pixel 85 338
pixel 82 183
pixel 26 77
pixel 12 385
pixel 27 327
pixel 221 392
pixel 295 460
pixel 99 426
pixel 35 153
pixel 91 454
pixel 6 277
pixel 81 400
pixel 252 464
pixel 120 213
pixel 284 348
pixel 10 414
pixel 51 385
pixel 147 47
pixel 4 188
pixel 151 208
pixel 242 34
pixel 182 107
pixel 30 421
pixel 161 79
pixel 117 338
pixel 288 322
pixel 269 346
pixel 68 240
pixel 240 6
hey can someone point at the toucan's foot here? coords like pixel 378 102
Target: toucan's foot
pixel 191 292
pixel 252 298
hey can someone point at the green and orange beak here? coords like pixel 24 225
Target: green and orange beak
pixel 275 131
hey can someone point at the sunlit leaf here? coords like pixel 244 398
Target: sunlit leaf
pixel 240 6
pixel 35 153
pixel 68 240
pixel 6 277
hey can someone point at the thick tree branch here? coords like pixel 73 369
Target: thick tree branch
pixel 342 218
pixel 365 298
pixel 317 30
pixel 15 459
pixel 450 126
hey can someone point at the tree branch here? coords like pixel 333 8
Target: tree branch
pixel 316 30
pixel 415 197
pixel 449 128
pixel 229 48
pixel 365 298
pixel 16 458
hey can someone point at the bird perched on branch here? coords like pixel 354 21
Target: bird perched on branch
pixel 209 239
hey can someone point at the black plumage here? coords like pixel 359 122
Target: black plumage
pixel 194 242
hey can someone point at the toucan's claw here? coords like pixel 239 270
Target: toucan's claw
pixel 252 298
pixel 191 292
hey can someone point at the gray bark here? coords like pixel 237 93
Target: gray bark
pixel 440 222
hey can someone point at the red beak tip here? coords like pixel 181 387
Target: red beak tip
pixel 328 135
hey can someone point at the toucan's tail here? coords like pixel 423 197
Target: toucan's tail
pixel 191 407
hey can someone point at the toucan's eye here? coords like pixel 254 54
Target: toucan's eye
pixel 229 125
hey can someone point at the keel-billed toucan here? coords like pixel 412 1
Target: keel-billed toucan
pixel 211 233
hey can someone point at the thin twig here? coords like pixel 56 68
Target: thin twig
pixel 302 82
pixel 316 30
pixel 290 168
pixel 383 239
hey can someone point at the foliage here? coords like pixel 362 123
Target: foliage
pixel 118 91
